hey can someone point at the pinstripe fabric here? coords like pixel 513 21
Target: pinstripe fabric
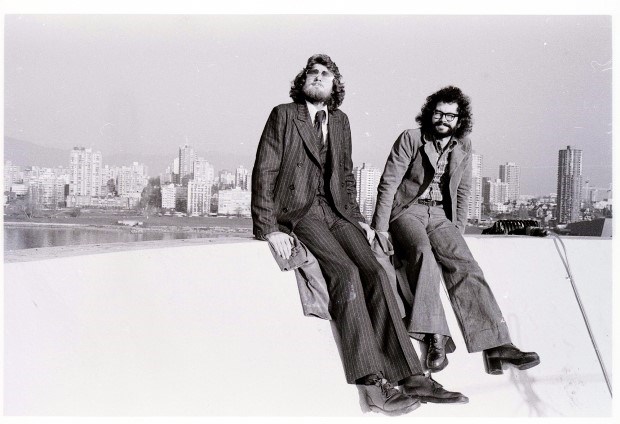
pixel 363 307
pixel 285 178
pixel 287 169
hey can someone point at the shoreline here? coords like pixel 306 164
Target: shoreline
pixel 202 229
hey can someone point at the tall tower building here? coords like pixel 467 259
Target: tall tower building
pixel 187 156
pixel 510 174
pixel 199 197
pixel 203 171
pixel 11 175
pixel 47 189
pixel 241 178
pixel 569 185
pixel 366 182
pixel 494 195
pixel 85 172
pixel 474 207
pixel 176 179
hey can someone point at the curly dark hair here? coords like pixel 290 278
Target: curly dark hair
pixel 449 94
pixel 297 92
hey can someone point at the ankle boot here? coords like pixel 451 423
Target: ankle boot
pixel 498 358
pixel 436 358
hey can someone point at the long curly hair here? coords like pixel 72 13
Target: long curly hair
pixel 297 86
pixel 449 94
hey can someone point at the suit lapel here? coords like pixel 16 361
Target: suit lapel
pixel 430 152
pixel 306 130
pixel 457 156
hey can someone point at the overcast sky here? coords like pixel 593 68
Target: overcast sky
pixel 146 83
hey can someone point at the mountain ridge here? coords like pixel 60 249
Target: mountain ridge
pixel 25 153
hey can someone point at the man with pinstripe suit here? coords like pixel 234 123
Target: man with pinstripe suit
pixel 302 182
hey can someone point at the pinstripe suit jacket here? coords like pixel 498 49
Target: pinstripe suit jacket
pixel 287 170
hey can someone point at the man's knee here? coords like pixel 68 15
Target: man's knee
pixel 414 250
pixel 346 286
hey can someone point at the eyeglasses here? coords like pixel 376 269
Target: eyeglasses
pixel 449 116
pixel 313 73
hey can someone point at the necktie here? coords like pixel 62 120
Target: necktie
pixel 318 125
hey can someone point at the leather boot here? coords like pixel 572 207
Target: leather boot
pixel 498 358
pixel 436 358
pixel 382 397
pixel 428 390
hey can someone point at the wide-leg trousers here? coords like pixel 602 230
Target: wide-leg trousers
pixel 433 246
pixel 362 304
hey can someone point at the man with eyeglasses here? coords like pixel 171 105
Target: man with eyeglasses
pixel 422 200
pixel 302 184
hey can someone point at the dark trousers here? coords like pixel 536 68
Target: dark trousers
pixel 362 303
pixel 433 246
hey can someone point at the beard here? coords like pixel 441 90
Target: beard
pixel 317 93
pixel 447 131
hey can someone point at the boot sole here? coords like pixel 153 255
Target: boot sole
pixel 406 410
pixel 430 399
pixel 496 366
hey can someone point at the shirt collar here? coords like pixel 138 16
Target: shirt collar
pixel 312 109
pixel 451 144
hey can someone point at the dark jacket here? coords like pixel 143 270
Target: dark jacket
pixel 287 170
pixel 409 171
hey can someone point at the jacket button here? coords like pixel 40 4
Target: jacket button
pixel 346 206
pixel 405 207
pixel 292 186
pixel 341 184
pixel 285 210
pixel 299 164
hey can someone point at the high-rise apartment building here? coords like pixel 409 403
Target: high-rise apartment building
pixel 366 181
pixel 168 196
pixel 569 185
pixel 187 156
pixel 47 189
pixel 474 206
pixel 510 174
pixel 166 177
pixel 132 179
pixel 172 195
pixel 203 171
pixel 85 172
pixel 175 171
pixel 199 197
pixel 241 178
pixel 494 195
pixel 12 174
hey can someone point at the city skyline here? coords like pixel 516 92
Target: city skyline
pixel 508 172
pixel 189 185
pixel 129 88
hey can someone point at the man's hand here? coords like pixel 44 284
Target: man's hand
pixel 281 242
pixel 370 233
